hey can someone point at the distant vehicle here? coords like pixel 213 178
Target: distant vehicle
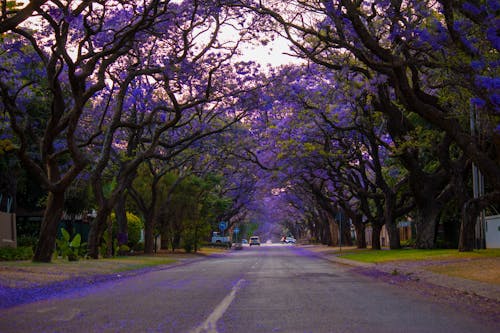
pixel 290 240
pixel 254 240
pixel 244 241
pixel 219 240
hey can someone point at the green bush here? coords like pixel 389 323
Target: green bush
pixel 408 243
pixel 19 253
pixel 139 247
pixel 70 248
pixel 134 225
pixel 124 250
pixel 192 235
pixel 25 241
pixel 103 249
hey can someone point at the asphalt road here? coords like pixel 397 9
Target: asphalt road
pixel 258 289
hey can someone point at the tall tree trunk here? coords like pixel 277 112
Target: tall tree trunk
pixel 360 231
pixel 390 220
pixel 149 237
pixel 121 219
pixel 394 238
pixel 376 229
pixel 48 230
pixel 467 232
pixel 470 212
pixel 333 227
pixel 425 224
pixel 346 233
pixel 109 238
pixel 97 228
pixel 176 240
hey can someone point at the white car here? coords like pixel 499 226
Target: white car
pixel 254 240
pixel 290 240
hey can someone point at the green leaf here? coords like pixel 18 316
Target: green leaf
pixel 75 243
pixel 65 235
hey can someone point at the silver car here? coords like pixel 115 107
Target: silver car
pixel 254 240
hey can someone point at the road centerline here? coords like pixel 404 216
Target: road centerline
pixel 210 324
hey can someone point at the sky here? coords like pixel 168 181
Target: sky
pixel 274 53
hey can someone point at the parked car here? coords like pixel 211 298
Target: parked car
pixel 244 241
pixel 290 240
pixel 254 240
pixel 219 240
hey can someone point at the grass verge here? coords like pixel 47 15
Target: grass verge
pixel 380 256
pixel 27 273
pixel 479 265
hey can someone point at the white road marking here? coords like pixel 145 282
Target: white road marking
pixel 210 325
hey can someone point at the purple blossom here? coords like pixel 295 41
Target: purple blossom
pixel 495 99
pixel 479 102
pixel 494 5
pixel 477 65
pixel 492 35
pixel 490 83
pixel 467 6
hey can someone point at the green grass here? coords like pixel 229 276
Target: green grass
pixel 131 263
pixel 87 266
pixel 378 256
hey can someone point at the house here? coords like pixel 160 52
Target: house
pixel 492 231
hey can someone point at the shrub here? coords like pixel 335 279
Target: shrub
pixel 19 253
pixel 69 248
pixel 139 247
pixel 27 240
pixel 134 225
pixel 124 250
pixel 103 249
pixel 408 243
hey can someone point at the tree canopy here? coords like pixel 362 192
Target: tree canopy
pixel 149 107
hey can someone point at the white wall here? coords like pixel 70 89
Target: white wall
pixel 492 232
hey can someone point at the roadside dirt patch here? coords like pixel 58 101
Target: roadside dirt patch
pixel 484 270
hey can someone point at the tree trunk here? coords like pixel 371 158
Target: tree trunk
pixel 333 227
pixel 425 223
pixel 121 219
pixel 97 228
pixel 390 220
pixel 176 240
pixel 360 232
pixel 109 239
pixel 376 229
pixel 48 230
pixel 467 228
pixel 346 233
pixel 149 237
pixel 393 231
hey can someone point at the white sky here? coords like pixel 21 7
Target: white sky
pixel 273 53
